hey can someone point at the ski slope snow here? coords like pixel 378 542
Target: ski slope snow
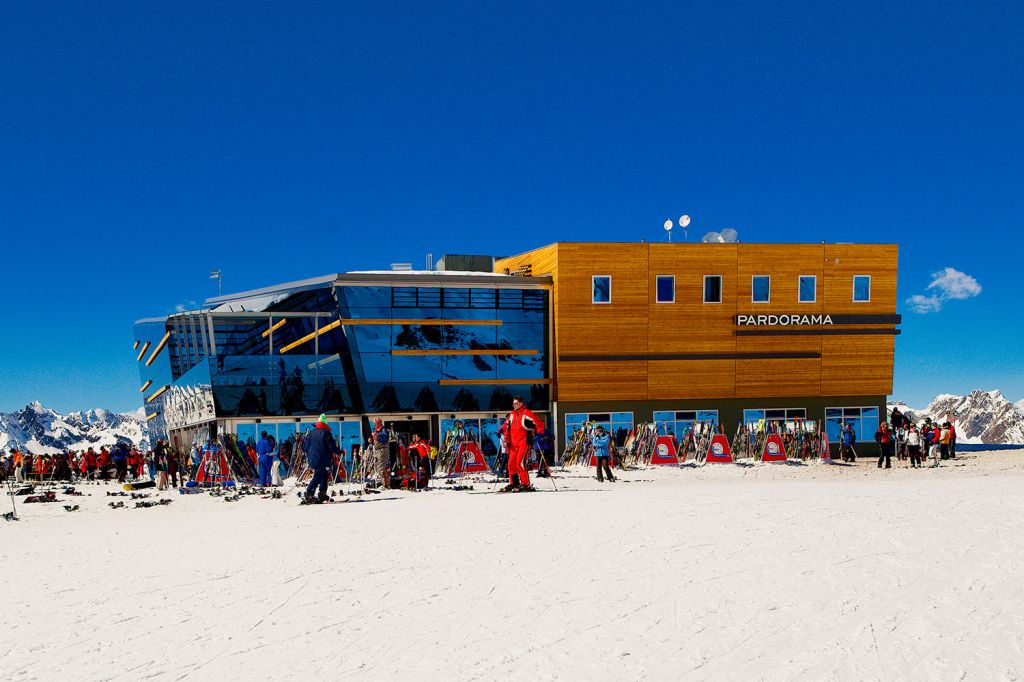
pixel 764 572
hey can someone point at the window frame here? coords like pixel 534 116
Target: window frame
pixel 787 418
pixel 754 300
pixel 657 293
pixel 593 286
pixel 704 293
pixel 799 281
pixel 861 436
pixel 610 423
pixel 854 291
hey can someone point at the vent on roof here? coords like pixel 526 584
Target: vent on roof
pixel 456 263
pixel 401 266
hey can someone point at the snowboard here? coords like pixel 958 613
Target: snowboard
pixel 141 485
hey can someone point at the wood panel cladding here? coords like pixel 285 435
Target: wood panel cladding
pixel 647 336
pixel 619 380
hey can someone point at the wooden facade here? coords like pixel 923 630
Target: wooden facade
pixel 637 349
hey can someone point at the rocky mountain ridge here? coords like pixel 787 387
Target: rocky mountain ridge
pixel 981 416
pixel 41 430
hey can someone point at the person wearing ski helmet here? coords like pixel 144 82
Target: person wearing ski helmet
pixel 320 447
pixel 519 428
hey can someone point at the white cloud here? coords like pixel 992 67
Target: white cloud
pixel 948 284
pixel 185 305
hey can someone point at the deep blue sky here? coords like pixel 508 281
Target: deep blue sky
pixel 142 144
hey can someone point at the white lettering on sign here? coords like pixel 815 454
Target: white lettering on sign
pixel 782 320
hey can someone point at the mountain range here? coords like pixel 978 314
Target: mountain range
pixel 41 431
pixel 981 416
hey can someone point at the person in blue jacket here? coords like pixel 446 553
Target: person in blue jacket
pixel 601 440
pixel 849 441
pixel 265 451
pixel 120 457
pixel 320 448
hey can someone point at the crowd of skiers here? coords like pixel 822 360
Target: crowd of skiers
pixel 121 463
pixel 905 440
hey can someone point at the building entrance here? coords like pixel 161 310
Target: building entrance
pixel 404 426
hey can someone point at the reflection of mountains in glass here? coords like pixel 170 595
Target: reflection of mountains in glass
pixel 433 337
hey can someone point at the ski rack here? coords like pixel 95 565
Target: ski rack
pixel 697 441
pixel 801 438
pixel 448 454
pixel 644 444
pixel 579 447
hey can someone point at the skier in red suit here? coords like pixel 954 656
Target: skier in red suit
pixel 519 428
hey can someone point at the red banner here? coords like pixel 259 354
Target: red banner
pixel 470 458
pixel 666 451
pixel 719 450
pixel 774 450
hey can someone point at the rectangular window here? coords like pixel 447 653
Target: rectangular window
pixel 602 289
pixel 666 285
pixel 618 424
pixel 863 419
pixel 679 422
pixel 774 415
pixel 861 288
pixel 808 288
pixel 761 289
pixel 712 288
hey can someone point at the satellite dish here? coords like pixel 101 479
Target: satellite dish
pixel 684 220
pixel 668 225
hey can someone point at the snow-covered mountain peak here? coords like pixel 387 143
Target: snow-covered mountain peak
pixel 980 416
pixel 41 430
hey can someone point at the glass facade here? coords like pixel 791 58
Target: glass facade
pixel 618 424
pixel 787 415
pixel 863 419
pixel 679 422
pixel 352 349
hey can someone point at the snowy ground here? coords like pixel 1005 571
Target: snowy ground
pixel 766 572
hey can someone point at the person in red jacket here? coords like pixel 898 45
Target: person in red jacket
pixel 519 427
pixel 89 463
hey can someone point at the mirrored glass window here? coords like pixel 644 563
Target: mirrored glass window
pixel 862 288
pixel 808 288
pixel 761 289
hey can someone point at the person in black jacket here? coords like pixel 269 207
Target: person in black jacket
pixel 320 448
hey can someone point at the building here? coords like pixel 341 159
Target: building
pixel 418 349
pixel 617 333
pixel 724 332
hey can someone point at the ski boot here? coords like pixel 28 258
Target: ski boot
pixel 70 507
pixel 322 498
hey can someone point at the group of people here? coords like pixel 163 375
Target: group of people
pixel 906 440
pixel 121 463
pixel 518 431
